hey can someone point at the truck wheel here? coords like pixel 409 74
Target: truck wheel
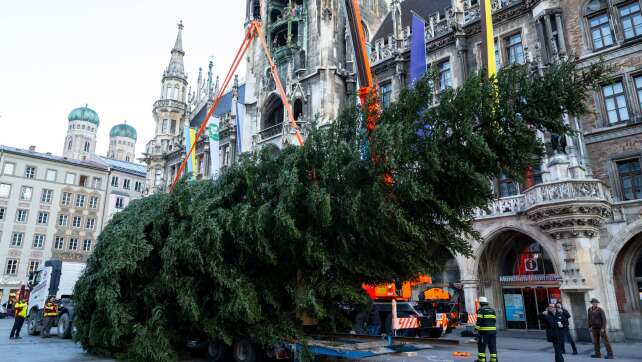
pixel 245 351
pixel 32 324
pixel 64 326
pixel 361 323
pixel 216 351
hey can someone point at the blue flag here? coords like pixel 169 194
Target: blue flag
pixel 417 50
pixel 240 118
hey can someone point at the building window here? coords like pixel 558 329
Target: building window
pixel 90 224
pixel 5 190
pixel 86 246
pixel 73 244
pixel 386 94
pixel 158 176
pixel 12 267
pixel 47 196
pixel 9 168
pixel 70 178
pixel 631 20
pixel 66 198
pixel 127 184
pixel 33 268
pixel 43 217
pixel 120 202
pixel 630 179
pixel 77 222
pixel 25 193
pixel 515 49
pixel 445 76
pixel 30 172
pixel 59 242
pixel 87 145
pixel 638 87
pixel 93 202
pixel 601 31
pixel 38 241
pixel 83 181
pixel 114 181
pixel 51 175
pixel 97 183
pixel 62 220
pixel 3 211
pixel 16 239
pixel 22 215
pixel 498 56
pixel 138 186
pixel 615 102
pixel 80 201
pixel 507 187
pixel 165 126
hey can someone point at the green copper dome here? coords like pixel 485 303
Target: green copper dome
pixel 84 114
pixel 123 130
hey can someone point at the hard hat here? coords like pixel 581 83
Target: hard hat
pixel 483 300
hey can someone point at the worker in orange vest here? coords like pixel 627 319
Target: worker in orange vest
pixel 49 314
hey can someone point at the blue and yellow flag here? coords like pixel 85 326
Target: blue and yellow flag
pixel 190 137
pixel 488 38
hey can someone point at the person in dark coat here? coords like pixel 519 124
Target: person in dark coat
pixel 553 322
pixel 566 333
pixel 597 325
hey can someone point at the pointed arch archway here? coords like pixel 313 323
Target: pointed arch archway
pixel 626 271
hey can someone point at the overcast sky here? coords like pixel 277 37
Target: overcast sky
pixel 56 55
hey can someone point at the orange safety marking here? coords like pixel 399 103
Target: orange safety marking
pixel 408 323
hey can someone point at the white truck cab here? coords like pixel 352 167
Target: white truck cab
pixel 56 278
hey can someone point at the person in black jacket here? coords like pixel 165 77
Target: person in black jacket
pixel 553 322
pixel 566 333
pixel 487 330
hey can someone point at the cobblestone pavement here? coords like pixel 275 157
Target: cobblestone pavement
pixel 37 349
pixel 511 349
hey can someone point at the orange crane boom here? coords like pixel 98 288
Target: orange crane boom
pixel 255 29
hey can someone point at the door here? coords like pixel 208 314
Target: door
pixel 530 304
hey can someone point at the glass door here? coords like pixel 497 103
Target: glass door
pixel 530 304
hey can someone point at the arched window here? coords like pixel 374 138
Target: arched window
pixel 69 145
pixel 177 92
pixel 87 146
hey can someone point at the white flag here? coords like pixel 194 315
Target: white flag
pixel 215 160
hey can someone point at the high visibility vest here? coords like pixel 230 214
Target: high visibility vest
pixel 51 310
pixel 21 309
pixel 486 318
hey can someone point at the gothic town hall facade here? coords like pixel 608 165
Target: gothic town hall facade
pixel 570 232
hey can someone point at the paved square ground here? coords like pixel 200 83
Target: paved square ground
pixel 511 349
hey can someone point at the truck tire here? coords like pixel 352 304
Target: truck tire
pixel 245 351
pixel 361 323
pixel 32 323
pixel 64 326
pixel 216 351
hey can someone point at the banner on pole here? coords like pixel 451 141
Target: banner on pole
pixel 190 136
pixel 215 158
pixel 417 49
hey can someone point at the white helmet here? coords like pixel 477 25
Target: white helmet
pixel 483 300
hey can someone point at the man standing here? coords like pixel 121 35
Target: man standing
pixel 487 330
pixel 553 321
pixel 597 325
pixel 21 314
pixel 50 313
pixel 566 333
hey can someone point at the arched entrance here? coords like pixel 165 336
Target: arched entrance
pixel 273 115
pixel 627 278
pixel 518 276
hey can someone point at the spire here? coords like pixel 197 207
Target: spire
pixel 210 81
pixel 176 67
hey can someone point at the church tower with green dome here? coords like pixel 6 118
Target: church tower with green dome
pixel 80 142
pixel 122 142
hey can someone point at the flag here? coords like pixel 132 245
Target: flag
pixel 488 38
pixel 417 49
pixel 190 137
pixel 215 158
pixel 240 117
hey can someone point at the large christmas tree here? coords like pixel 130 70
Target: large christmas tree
pixel 292 232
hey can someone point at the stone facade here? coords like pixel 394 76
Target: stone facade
pixel 572 231
pixel 579 215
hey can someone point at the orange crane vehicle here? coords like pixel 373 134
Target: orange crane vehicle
pixel 396 309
